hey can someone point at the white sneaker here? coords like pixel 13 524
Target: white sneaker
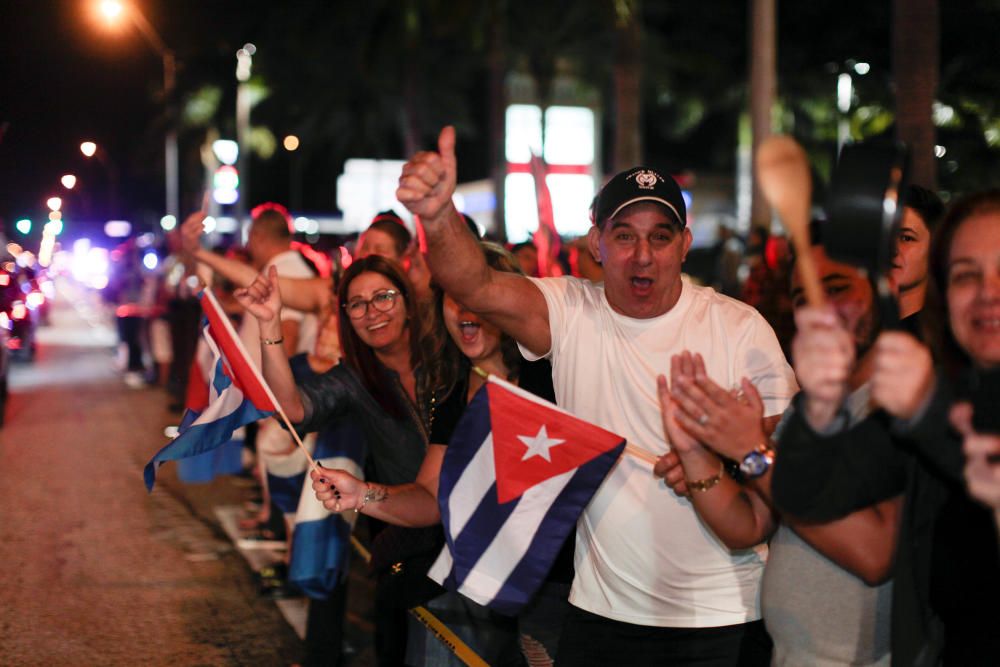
pixel 134 380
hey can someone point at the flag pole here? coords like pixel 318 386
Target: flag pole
pixel 635 450
pixel 295 434
pixel 442 632
pixel 260 376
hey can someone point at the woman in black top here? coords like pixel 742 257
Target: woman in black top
pixel 384 385
pixel 486 348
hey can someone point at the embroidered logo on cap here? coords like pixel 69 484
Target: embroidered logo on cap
pixel 645 179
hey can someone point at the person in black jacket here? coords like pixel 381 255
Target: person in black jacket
pixel 947 568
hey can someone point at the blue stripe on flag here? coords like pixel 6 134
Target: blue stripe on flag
pixel 201 437
pixel 321 540
pixel 220 381
pixel 190 416
pixel 320 556
pixel 466 440
pixel 285 491
pixel 527 575
pixel 478 534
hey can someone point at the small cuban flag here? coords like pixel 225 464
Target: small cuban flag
pixel 237 394
pixel 517 474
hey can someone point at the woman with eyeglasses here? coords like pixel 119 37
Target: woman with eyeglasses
pixel 390 383
pixel 486 348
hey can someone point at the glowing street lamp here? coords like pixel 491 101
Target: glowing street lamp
pixel 68 181
pixel 92 150
pixel 54 203
pixel 291 144
pixel 113 10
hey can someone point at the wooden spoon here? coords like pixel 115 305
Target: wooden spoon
pixel 783 175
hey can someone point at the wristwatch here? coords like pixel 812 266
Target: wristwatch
pixel 757 461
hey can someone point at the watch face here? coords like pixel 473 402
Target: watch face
pixel 754 464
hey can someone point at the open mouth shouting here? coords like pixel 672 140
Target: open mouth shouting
pixel 470 330
pixel 641 285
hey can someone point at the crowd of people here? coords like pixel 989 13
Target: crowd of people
pixel 822 496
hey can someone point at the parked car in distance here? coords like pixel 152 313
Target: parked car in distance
pixel 20 301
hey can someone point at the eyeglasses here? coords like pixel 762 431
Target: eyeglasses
pixel 382 301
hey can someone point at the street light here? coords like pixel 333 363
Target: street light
pixel 845 98
pixel 92 150
pixel 291 144
pixel 54 203
pixel 112 10
pixel 68 181
pixel 244 64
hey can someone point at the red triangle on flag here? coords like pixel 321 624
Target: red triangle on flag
pixel 237 366
pixel 533 442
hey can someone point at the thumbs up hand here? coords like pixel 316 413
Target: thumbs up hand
pixel 428 179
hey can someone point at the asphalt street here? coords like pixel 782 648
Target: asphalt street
pixel 93 570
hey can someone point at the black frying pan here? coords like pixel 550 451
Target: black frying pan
pixel 865 209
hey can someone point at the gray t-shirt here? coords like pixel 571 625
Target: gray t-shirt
pixel 818 613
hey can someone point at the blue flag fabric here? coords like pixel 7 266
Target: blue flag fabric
pixel 321 540
pixel 237 395
pixel 517 474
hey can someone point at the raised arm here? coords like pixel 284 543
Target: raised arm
pixel 509 301
pixel 262 299
pixel 305 294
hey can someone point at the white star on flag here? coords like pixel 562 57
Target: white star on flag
pixel 539 445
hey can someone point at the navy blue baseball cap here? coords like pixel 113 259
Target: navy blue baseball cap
pixel 635 185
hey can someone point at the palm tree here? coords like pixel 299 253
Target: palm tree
pixel 915 55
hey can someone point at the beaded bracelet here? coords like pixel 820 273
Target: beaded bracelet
pixel 367 498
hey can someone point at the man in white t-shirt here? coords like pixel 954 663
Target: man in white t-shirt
pixel 653 584
pixel 269 243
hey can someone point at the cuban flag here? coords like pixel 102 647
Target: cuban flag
pixel 517 474
pixel 237 394
pixel 321 539
pixel 546 237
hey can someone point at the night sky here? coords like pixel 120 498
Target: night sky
pixel 68 78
